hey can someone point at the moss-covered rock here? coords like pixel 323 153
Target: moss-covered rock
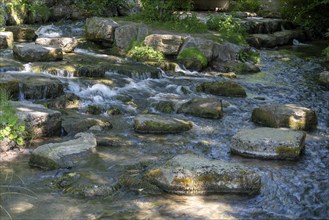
pixel 289 115
pixel 94 110
pixel 203 107
pixel 226 88
pixel 156 124
pixel 270 143
pixel 22 34
pixel 165 106
pixel 191 174
pixel 192 58
pixel 67 101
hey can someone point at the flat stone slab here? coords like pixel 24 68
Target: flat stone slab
pixel 68 44
pixel 62 155
pixel 156 124
pixel 289 115
pixel 190 174
pixel 225 88
pixel 165 43
pixel 31 52
pixel 269 143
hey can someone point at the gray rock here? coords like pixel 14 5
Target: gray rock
pixel 270 143
pixel 100 29
pixel 165 43
pixel 62 155
pixel 6 144
pixel 262 40
pixel 226 52
pixel 224 88
pixel 289 115
pixel 156 124
pixel 22 34
pixel 203 107
pixel 39 121
pixel 191 174
pixel 66 101
pixel 6 40
pixel 126 34
pixel 68 44
pixel 324 78
pixel 31 52
pixel 204 45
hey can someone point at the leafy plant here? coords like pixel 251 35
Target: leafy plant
pixel 10 127
pixel 39 12
pixel 246 5
pixel 140 52
pixel 98 7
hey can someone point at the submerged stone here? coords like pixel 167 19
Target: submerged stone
pixel 203 107
pixel 289 115
pixel 225 88
pixel 31 52
pixel 62 155
pixel 269 143
pixel 190 174
pixel 156 124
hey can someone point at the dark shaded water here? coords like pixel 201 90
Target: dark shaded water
pixel 290 189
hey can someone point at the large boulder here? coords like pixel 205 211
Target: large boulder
pixel 22 34
pixel 225 88
pixel 126 34
pixel 26 86
pixel 100 29
pixel 226 52
pixel 156 124
pixel 289 115
pixel 39 121
pixel 62 155
pixel 203 45
pixel 203 107
pixel 6 39
pixel 68 44
pixel 270 143
pixel 165 43
pixel 31 52
pixel 324 78
pixel 192 174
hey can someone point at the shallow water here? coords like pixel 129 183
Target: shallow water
pixel 290 189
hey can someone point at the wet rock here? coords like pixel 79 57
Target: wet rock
pixel 289 115
pixel 269 143
pixel 6 40
pixel 165 43
pixel 31 86
pixel 238 67
pixel 22 34
pixel 204 45
pixel 165 106
pixel 191 174
pixel 105 139
pixel 267 25
pixel 113 111
pixel 226 88
pixel 39 121
pixel 203 107
pixel 67 101
pixel 68 44
pixel 94 110
pixel 31 52
pixel 126 34
pixel 324 79
pixel 62 155
pixel 156 124
pixel 46 31
pixel 100 29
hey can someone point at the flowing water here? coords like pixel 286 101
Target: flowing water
pixel 290 189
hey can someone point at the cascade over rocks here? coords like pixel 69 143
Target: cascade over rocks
pixel 31 52
pixel 63 155
pixel 269 143
pixel 22 34
pixel 165 43
pixel 67 44
pixel 203 107
pixel 100 29
pixel 191 174
pixel 6 40
pixel 156 124
pixel 225 88
pixel 289 115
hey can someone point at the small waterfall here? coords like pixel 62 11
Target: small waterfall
pixel 44 95
pixel 28 67
pixel 185 71
pixel 21 96
pixel 61 73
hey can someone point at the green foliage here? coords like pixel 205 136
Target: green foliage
pixel 10 127
pixel 98 7
pixel 249 55
pixel 229 28
pixel 18 10
pixel 141 52
pixel 2 16
pixel 310 14
pixel 246 5
pixel 193 53
pixel 39 12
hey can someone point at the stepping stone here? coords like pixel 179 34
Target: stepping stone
pixel 62 155
pixel 203 107
pixel 190 174
pixel 289 115
pixel 227 88
pixel 30 52
pixel 156 124
pixel 268 143
pixel 68 44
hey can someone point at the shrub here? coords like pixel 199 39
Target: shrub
pixel 98 7
pixel 246 5
pixel 141 52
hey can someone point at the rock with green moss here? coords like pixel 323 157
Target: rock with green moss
pixel 94 110
pixel 203 45
pixel 191 174
pixel 31 52
pixel 269 143
pixel 165 43
pixel 192 58
pixel 289 115
pixel 22 34
pixel 203 107
pixel 225 88
pixel 100 29
pixel 156 124
pixel 165 106
pixel 63 155
pixel 6 40
pixel 67 101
